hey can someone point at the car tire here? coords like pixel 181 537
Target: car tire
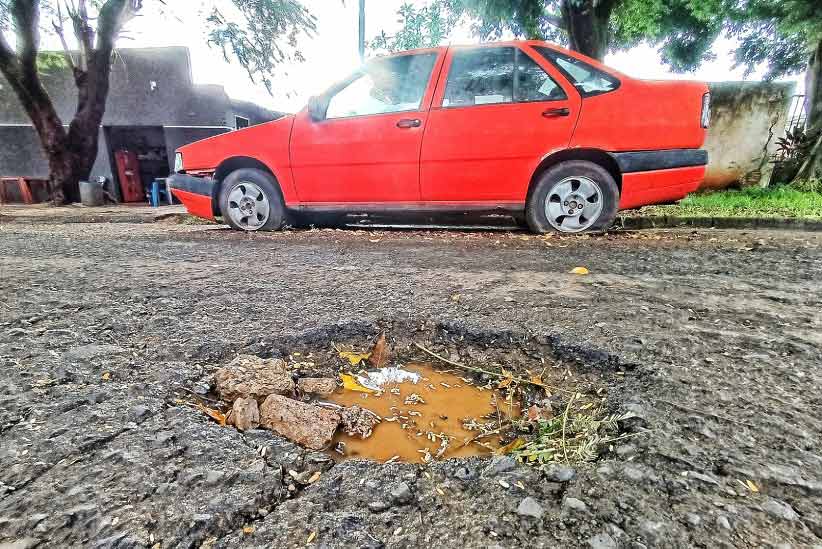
pixel 250 200
pixel 573 197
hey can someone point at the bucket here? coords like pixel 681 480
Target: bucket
pixel 91 193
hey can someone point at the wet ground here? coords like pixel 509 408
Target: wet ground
pixel 710 339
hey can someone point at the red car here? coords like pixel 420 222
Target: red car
pixel 522 126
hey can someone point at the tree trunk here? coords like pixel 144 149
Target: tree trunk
pixel 586 22
pixel 812 166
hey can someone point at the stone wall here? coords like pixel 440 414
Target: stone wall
pixel 746 120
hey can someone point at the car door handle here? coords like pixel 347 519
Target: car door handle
pixel 551 113
pixel 409 123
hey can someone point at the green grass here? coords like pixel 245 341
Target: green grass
pixel 749 202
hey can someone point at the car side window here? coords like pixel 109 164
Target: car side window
pixel 480 76
pixel 588 80
pixel 483 76
pixel 393 84
pixel 532 83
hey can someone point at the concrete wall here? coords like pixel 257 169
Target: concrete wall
pixel 746 120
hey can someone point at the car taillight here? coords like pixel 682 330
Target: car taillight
pixel 706 110
pixel 178 162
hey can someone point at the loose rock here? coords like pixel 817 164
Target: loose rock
pixel 575 504
pixel 358 421
pixel 402 494
pixel 560 474
pixel 308 425
pixel 254 377
pixel 316 385
pixel 245 414
pixel 780 509
pixel 602 541
pixel 529 507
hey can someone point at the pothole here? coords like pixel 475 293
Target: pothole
pixel 415 399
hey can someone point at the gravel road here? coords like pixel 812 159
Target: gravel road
pixel 711 339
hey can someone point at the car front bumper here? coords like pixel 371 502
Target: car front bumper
pixel 196 194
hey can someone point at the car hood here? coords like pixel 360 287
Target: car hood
pixel 207 153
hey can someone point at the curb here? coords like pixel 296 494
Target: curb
pixel 666 222
pixel 89 218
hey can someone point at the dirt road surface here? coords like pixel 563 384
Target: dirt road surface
pixel 711 339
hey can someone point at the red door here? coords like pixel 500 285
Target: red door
pixel 497 112
pixel 366 148
pixel 128 172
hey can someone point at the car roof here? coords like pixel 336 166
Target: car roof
pixel 541 43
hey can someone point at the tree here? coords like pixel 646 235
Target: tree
pixel 421 28
pixel 259 34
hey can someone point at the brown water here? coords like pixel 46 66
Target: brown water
pixel 414 427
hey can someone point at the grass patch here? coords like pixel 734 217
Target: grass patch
pixel 748 202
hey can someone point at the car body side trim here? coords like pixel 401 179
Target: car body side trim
pixel 645 161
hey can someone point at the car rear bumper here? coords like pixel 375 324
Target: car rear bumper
pixel 659 186
pixel 196 193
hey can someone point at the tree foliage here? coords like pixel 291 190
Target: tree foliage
pixel 425 27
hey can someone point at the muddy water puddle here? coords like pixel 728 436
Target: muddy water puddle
pixel 426 414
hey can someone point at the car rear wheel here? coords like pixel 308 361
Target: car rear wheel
pixel 573 197
pixel 250 200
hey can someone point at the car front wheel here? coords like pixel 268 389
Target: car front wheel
pixel 250 200
pixel 573 197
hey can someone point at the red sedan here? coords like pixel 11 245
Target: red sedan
pixel 525 127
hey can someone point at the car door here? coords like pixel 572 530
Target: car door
pixel 499 111
pixel 366 146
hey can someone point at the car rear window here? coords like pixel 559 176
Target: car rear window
pixel 588 80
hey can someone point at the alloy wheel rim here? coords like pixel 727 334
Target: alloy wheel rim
pixel 248 206
pixel 574 204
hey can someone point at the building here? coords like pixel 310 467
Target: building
pixel 153 108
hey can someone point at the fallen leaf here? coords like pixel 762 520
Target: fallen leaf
pixel 752 486
pixel 455 297
pixel 379 353
pixel 439 491
pixel 350 383
pixel 216 415
pixel 536 380
pixel 314 478
pixel 506 381
pixel 579 271
pixel 311 537
pixel 106 376
pixel 354 358
pixel 248 529
pixel 512 446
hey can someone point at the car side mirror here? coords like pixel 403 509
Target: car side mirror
pixel 316 108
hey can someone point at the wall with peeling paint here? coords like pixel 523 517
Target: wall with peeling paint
pixel 746 120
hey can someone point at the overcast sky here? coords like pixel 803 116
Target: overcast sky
pixel 332 53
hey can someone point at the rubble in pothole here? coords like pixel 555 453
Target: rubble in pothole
pixel 417 405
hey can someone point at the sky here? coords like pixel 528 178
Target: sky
pixel 332 53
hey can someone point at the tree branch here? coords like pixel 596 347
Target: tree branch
pixel 26 17
pixel 58 28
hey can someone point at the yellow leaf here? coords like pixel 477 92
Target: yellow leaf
pixel 354 358
pixel 512 446
pixel 579 271
pixel 351 384
pixel 505 382
pixel 216 415
pixel 106 376
pixel 311 537
pixel 752 486
pixel 536 380
pixel 248 530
